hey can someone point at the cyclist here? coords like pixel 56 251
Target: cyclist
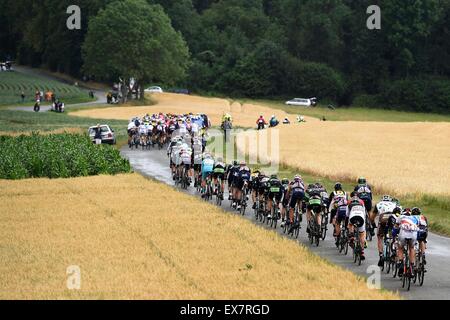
pixel 296 194
pixel 253 185
pixel 338 209
pixel 285 201
pixel 338 191
pixel 232 182
pixel 219 173
pixel 384 208
pixel 262 184
pixel 207 169
pixel 365 194
pixel 131 129
pixel 186 161
pixel 197 160
pixel 406 227
pixel 143 133
pixel 422 233
pixel 314 195
pixel 243 178
pixel 357 218
pixel 275 193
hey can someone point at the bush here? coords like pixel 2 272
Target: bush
pixel 421 95
pixel 57 156
pixel 366 101
pixel 308 79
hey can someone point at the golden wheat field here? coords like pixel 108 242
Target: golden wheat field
pixel 395 157
pixel 244 115
pixel 152 244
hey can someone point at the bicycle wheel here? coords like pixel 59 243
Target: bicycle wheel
pixel 408 282
pixel 324 232
pixel 387 258
pixel 421 274
pixel 243 206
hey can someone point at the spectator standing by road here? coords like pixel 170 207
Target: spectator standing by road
pixel 98 135
pixel 22 96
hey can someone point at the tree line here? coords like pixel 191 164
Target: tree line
pixel 253 48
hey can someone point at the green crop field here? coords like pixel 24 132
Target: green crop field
pixel 13 83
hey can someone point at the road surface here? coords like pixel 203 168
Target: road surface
pixel 154 164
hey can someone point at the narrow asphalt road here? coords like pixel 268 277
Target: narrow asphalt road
pixel 155 164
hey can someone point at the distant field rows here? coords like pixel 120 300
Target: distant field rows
pixel 13 83
pixel 155 243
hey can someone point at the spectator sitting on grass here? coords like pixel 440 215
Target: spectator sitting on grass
pixel 273 121
pixel 300 118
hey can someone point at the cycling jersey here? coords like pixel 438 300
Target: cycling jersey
pixel 219 167
pixel 275 186
pixel 207 165
pixel 142 129
pixel 408 223
pixel 186 157
pixel 131 125
pixel 244 173
pixel 364 191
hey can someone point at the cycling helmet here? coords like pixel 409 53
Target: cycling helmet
pixel 318 185
pixel 242 163
pixel 219 159
pixel 298 177
pixel 337 186
pixel 386 198
pixel 416 211
pixel 406 212
pixel 235 163
pixel 361 180
pixel 285 181
pixel 354 194
pixel 273 176
pixel 311 185
pixel 397 210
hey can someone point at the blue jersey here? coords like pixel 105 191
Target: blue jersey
pixel 207 165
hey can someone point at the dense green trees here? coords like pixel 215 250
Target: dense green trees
pixel 132 39
pixel 259 47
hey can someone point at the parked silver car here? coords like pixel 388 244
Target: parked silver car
pixel 107 134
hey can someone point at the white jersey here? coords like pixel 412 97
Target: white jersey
pixel 386 207
pixel 131 125
pixel 194 128
pixel 186 157
pixel 142 129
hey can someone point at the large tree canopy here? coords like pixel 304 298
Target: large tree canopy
pixel 134 39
